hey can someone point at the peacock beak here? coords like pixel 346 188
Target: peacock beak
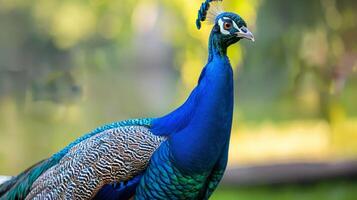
pixel 244 32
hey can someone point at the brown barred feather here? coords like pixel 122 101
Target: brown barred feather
pixel 115 155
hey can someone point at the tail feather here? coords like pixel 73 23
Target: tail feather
pixel 19 186
pixel 6 186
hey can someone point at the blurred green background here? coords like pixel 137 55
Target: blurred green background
pixel 67 67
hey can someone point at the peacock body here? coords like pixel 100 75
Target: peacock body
pixel 182 155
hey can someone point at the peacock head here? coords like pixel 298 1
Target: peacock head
pixel 228 27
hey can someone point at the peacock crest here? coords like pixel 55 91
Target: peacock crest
pixel 209 11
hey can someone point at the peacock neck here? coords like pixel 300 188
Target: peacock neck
pixel 216 48
pixel 200 129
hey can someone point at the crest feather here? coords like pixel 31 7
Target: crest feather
pixel 209 9
pixel 214 10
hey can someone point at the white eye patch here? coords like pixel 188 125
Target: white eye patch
pixel 223 31
pixel 221 24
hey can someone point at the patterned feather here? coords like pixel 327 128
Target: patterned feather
pixel 88 155
pixel 111 156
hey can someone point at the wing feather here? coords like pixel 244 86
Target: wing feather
pixel 19 186
pixel 114 155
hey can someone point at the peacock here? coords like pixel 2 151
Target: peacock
pixel 182 155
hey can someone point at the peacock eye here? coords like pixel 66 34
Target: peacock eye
pixel 227 25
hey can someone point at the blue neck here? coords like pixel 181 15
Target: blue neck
pixel 216 48
pixel 200 128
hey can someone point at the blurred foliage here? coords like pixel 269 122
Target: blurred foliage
pixel 69 66
pixel 306 55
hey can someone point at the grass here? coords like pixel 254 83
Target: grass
pixel 338 190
